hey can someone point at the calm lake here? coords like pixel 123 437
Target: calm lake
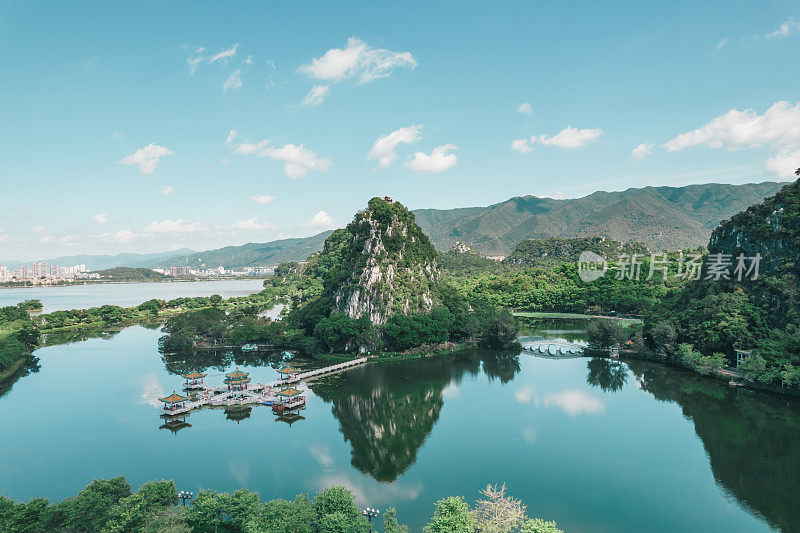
pixel 124 294
pixel 594 445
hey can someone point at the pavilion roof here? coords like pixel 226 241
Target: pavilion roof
pixel 194 374
pixel 237 374
pixel 289 391
pixel 288 370
pixel 173 398
pixel 238 381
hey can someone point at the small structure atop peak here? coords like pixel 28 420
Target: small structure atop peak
pixel 388 199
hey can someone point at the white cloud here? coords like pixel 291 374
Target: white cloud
pixel 315 96
pixel 166 190
pixel 234 81
pixel 321 220
pixel 642 151
pixel 571 138
pixel 146 158
pixel 252 225
pixel 296 158
pixel 437 161
pixel 117 135
pixel 249 60
pixel 262 198
pixel 193 63
pixel 784 164
pixel 176 226
pixel 785 29
pixel 522 146
pixel 36 229
pixel 247 148
pixel 383 151
pixel 231 136
pixel 195 58
pixel 779 127
pixel 224 54
pixel 722 42
pixel 357 60
pixel 122 236
pixel 100 218
pixel 525 108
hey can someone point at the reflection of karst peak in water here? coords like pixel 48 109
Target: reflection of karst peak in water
pixel 387 410
pixel 752 439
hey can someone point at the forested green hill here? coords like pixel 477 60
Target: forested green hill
pixel 754 313
pixel 554 251
pixel 252 254
pixel 660 217
pixel 130 274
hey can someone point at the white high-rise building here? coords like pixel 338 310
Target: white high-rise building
pixel 4 275
pixel 39 269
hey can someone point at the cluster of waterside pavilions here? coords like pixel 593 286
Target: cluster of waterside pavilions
pixel 237 395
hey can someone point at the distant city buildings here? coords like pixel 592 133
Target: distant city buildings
pixel 38 272
pixel 217 272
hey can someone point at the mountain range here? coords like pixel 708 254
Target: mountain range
pixel 103 262
pixel 251 254
pixel 659 217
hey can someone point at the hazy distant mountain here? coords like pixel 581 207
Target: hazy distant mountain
pixel 660 217
pixel 103 262
pixel 251 254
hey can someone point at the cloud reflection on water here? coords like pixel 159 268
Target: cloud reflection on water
pixel 572 401
pixel 152 390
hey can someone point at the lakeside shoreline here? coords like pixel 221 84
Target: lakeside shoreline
pixel 131 282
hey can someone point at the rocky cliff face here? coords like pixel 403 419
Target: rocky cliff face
pixel 771 228
pixel 386 264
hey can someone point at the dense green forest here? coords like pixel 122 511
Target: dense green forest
pixel 154 309
pixel 555 251
pixel 111 506
pixel 557 287
pixel 130 274
pixel 713 317
pixel 18 336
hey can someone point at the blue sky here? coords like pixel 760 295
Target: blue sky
pixel 117 118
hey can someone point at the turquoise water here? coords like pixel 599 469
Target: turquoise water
pixel 124 294
pixel 593 445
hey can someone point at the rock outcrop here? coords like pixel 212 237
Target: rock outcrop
pixel 771 228
pixel 384 264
